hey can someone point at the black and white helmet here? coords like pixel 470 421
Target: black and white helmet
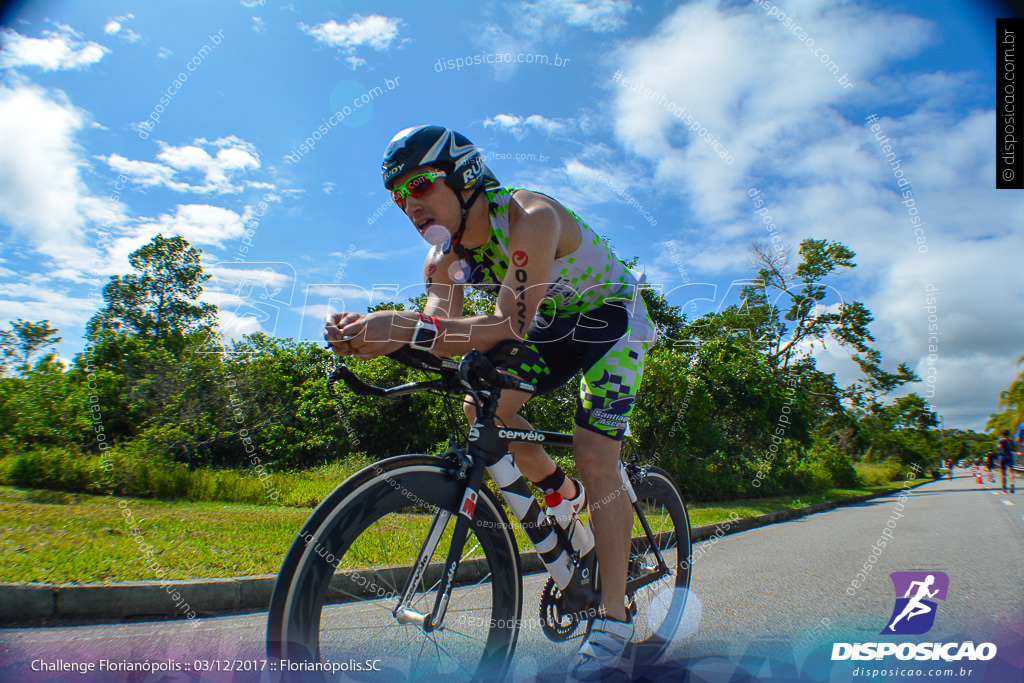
pixel 436 146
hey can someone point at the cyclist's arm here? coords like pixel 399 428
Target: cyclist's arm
pixel 534 230
pixel 444 298
pixel 535 227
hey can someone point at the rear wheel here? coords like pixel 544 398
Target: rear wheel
pixel 657 606
pixel 335 597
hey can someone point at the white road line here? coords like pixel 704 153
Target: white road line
pixel 1006 502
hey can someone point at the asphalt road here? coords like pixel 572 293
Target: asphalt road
pixel 766 604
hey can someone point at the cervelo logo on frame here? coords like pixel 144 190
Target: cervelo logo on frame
pixel 913 614
pixel 517 434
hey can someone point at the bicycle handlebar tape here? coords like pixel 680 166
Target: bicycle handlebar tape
pixel 538 527
pixel 417 358
pixel 356 385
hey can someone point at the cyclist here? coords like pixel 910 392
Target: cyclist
pixel 561 294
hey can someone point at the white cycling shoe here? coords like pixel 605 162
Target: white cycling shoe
pixel 579 503
pixel 601 654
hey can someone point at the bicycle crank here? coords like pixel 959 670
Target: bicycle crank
pixel 556 624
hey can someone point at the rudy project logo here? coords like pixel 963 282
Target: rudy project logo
pixel 914 612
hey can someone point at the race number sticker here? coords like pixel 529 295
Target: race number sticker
pixel 519 258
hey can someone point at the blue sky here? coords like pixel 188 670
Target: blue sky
pixel 85 180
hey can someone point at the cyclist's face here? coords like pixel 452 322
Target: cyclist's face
pixel 436 206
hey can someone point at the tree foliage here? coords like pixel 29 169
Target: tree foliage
pixel 731 403
pixel 161 298
pixel 18 344
pixel 1012 403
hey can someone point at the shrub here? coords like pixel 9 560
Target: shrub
pixel 878 473
pixel 57 468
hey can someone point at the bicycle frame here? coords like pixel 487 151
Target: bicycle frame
pixel 488 450
pixel 488 447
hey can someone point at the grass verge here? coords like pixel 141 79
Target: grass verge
pixel 48 536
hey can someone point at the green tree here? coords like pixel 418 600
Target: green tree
pixel 161 298
pixel 24 339
pixel 1012 403
pixel 783 313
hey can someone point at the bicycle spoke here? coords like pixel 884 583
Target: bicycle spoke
pixel 453 657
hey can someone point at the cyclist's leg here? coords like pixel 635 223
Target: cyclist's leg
pixel 597 458
pixel 547 358
pixel 531 458
pixel 606 399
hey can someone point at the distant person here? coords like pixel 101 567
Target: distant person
pixel 949 464
pixel 990 464
pixel 1006 460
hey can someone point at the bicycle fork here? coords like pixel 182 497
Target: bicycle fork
pixel 554 550
pixel 434 620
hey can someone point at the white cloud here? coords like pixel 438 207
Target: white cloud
pixel 144 173
pixel 322 300
pixel 258 25
pixel 761 93
pixel 42 195
pixel 518 125
pixel 200 224
pixel 233 326
pixel 374 31
pixel 751 85
pixel 231 157
pixel 115 26
pixel 600 16
pixel 229 274
pixel 58 50
pixel 163 53
pixel 525 27
pixel 38 301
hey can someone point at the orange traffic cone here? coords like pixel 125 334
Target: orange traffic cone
pixel 979 477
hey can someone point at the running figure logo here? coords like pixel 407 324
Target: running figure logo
pixel 914 613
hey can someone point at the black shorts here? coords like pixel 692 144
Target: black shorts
pixel 606 344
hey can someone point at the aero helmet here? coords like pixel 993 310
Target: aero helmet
pixel 441 147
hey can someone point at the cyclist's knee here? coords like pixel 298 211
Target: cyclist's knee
pixel 595 451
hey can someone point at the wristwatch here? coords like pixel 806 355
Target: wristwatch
pixel 424 336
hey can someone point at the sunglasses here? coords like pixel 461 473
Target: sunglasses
pixel 416 186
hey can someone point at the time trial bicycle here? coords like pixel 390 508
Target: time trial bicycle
pixel 363 587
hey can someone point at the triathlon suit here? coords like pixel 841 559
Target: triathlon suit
pixel 592 319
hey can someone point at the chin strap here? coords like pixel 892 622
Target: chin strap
pixel 466 206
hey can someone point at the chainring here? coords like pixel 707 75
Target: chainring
pixel 554 622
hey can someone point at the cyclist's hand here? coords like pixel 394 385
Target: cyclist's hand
pixel 333 334
pixel 374 334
